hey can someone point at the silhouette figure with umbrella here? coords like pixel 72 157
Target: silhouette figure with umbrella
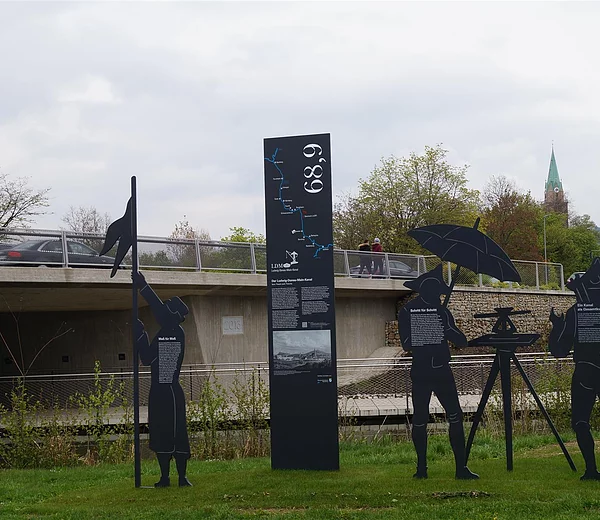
pixel 470 248
pixel 425 327
pixel 466 247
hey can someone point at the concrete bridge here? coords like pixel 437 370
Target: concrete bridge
pixel 89 314
pixel 66 318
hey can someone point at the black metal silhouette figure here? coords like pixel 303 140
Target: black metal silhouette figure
pixel 166 403
pixel 579 329
pixel 425 327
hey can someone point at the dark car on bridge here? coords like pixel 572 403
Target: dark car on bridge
pixel 397 270
pixel 50 253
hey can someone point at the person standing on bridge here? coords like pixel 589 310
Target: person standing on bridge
pixel 425 327
pixel 365 256
pixel 377 257
pixel 166 403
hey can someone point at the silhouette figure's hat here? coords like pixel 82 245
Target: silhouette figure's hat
pixel 176 306
pixel 435 276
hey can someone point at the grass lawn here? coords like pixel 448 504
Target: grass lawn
pixel 375 482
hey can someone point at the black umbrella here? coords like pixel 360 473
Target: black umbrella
pixel 467 247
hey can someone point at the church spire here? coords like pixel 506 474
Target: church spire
pixel 553 181
pixel 554 197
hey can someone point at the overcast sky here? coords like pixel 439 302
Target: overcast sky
pixel 182 94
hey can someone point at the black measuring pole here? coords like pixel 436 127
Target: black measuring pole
pixel 134 320
pixel 504 356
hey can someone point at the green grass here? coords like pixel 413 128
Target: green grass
pixel 375 482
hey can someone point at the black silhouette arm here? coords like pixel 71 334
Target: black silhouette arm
pixel 452 332
pixel 143 344
pixel 156 304
pixel 404 329
pixel 564 330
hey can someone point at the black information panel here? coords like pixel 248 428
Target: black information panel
pixel 588 323
pixel 302 360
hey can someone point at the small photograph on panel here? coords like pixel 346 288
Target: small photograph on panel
pixel 301 350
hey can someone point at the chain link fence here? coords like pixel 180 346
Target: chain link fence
pixel 534 275
pixel 368 378
pixel 391 377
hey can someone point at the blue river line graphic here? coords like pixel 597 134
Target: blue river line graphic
pixel 319 247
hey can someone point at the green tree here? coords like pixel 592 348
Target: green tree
pixel 159 258
pixel 571 244
pixel 242 234
pixel 236 257
pixel 511 219
pixel 401 194
pixel 585 235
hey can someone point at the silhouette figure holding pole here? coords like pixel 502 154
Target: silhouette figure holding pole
pixel 425 327
pixel 579 329
pixel 166 403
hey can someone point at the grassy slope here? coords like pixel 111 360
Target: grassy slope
pixel 374 483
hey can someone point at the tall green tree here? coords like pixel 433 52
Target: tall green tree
pixel 242 234
pixel 401 194
pixel 511 218
pixel 571 244
pixel 238 257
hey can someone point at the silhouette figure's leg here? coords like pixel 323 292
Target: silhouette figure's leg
pixel 164 461
pixel 447 394
pixel 583 397
pixel 421 396
pixel 489 385
pixel 544 412
pixel 181 463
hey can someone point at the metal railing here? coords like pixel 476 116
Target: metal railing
pixel 69 249
pixel 362 378
pixel 534 275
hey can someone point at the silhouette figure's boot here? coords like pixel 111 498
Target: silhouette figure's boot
pixel 181 463
pixel 457 441
pixel 419 438
pixel 586 445
pixel 164 461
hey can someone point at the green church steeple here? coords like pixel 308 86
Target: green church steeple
pixel 554 196
pixel 553 181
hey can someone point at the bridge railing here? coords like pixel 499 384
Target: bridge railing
pixel 534 275
pixel 69 249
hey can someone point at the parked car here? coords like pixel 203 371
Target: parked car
pixel 578 274
pixel 397 270
pixel 50 253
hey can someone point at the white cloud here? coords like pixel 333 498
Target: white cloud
pixel 182 94
pixel 92 89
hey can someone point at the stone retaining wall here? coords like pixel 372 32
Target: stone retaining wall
pixel 465 302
